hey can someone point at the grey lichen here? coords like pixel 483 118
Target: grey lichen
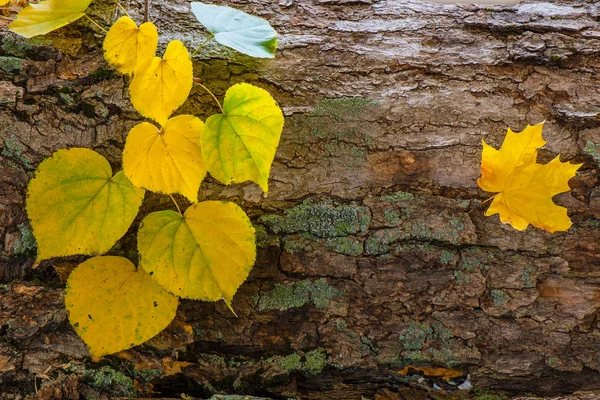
pixel 345 245
pixel 398 196
pixel 11 65
pixel 26 244
pixel 297 294
pixel 110 380
pixel 320 219
pixel 499 298
pixel 593 150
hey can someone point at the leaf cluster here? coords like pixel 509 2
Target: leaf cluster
pixel 77 206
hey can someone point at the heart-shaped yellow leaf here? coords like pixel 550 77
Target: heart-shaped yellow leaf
pixel 127 47
pixel 164 85
pixel 48 15
pixel 239 145
pixel 205 254
pixel 113 306
pixel 76 205
pixel 167 160
pixel 525 188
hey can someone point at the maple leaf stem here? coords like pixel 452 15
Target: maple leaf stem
pixel 202 45
pixel 95 23
pixel 176 205
pixel 211 93
pixel 122 8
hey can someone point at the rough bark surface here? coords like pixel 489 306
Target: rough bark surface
pixel 374 252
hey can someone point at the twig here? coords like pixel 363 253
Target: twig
pixel 146 10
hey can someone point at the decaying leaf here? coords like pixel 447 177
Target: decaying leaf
pixel 167 160
pixel 48 15
pixel 127 47
pixel 113 306
pixel 205 254
pixel 524 187
pixel 76 205
pixel 239 145
pixel 159 89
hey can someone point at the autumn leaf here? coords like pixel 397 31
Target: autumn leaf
pixel 205 254
pixel 167 160
pixel 127 47
pixel 113 306
pixel 525 188
pixel 76 205
pixel 239 145
pixel 48 15
pixel 164 85
pixel 243 32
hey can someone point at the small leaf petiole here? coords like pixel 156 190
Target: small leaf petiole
pixel 95 23
pixel 176 205
pixel 202 45
pixel 122 8
pixel 197 82
pixel 146 10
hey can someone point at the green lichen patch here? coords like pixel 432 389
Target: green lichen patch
pixel 446 257
pixel 397 197
pixel 11 65
pixel 290 363
pixel 345 245
pixel 499 298
pixel 316 361
pixel 427 342
pixel 26 244
pixel 106 378
pixel 593 150
pixel 14 152
pixel 20 47
pixel 283 297
pixel 320 219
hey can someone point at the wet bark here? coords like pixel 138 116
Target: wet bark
pixel 374 254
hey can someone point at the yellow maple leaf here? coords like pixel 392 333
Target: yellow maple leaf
pixel 164 85
pixel 48 15
pixel 525 188
pixel 127 47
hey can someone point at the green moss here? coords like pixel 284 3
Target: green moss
pixel 290 363
pixel 102 74
pixel 398 196
pixel 297 294
pixel 11 65
pixel 263 238
pixel 26 244
pixel 551 362
pixel 316 361
pixel 320 219
pixel 292 246
pixel 345 245
pixel 499 298
pixel 110 380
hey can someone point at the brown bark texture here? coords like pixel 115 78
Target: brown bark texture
pixel 378 276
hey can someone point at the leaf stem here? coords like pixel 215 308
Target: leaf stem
pixel 211 93
pixel 491 198
pixel 122 8
pixel 176 205
pixel 202 45
pixel 95 23
pixel 146 10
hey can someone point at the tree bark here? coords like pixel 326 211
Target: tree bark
pixel 376 264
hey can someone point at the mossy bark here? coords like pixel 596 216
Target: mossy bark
pixel 374 254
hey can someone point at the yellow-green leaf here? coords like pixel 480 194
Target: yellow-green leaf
pixel 113 306
pixel 164 85
pixel 239 145
pixel 48 15
pixel 205 254
pixel 76 206
pixel 127 47
pixel 167 160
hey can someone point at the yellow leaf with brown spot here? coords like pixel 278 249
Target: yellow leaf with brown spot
pixel 127 47
pixel 114 306
pixel 167 160
pixel 524 187
pixel 158 90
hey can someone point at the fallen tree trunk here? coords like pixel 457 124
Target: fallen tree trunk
pixel 378 275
